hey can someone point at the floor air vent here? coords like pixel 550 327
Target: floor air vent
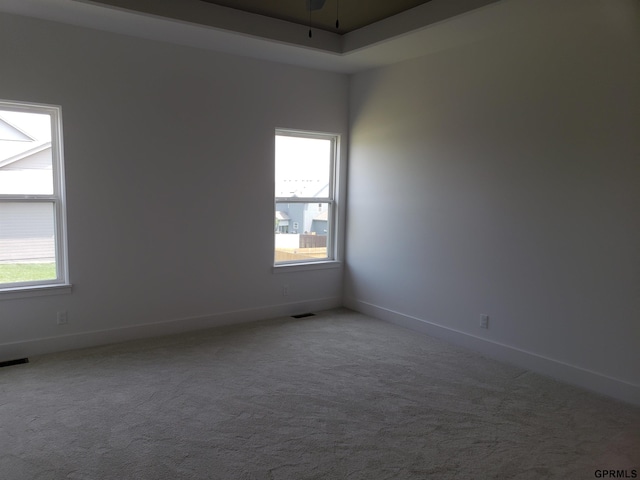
pixel 304 315
pixel 14 362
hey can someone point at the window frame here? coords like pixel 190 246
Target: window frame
pixel 57 199
pixel 332 258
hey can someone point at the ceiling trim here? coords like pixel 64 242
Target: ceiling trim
pixel 424 29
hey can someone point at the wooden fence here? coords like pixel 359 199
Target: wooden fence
pixel 292 254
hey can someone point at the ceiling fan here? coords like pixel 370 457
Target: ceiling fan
pixel 313 5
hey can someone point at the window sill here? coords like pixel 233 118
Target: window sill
pixel 300 267
pixel 34 291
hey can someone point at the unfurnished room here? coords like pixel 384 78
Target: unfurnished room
pixel 319 239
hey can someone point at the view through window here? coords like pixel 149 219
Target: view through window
pixel 31 196
pixel 304 206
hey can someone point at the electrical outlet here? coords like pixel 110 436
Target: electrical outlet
pixel 285 290
pixel 62 318
pixel 484 321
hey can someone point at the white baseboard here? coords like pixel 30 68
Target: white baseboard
pixel 59 343
pixel 587 379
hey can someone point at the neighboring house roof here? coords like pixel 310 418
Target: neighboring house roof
pixel 282 216
pixel 303 188
pixel 10 132
pixel 15 143
pixel 322 216
pixel 323 192
pixel 8 155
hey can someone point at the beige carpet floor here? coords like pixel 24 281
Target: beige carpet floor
pixel 334 396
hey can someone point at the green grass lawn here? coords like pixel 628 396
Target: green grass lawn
pixel 26 272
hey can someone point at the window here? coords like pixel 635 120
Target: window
pixel 305 210
pixel 32 210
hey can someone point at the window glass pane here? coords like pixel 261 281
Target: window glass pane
pixel 301 231
pixel 25 153
pixel 303 167
pixel 27 242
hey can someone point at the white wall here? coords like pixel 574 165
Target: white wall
pixel 169 161
pixel 507 171
pixel 508 174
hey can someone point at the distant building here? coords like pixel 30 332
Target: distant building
pixel 302 218
pixel 26 229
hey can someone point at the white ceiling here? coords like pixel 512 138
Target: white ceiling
pixel 430 27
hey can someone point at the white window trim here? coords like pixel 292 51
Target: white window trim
pixel 58 199
pixel 304 266
pixel 333 259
